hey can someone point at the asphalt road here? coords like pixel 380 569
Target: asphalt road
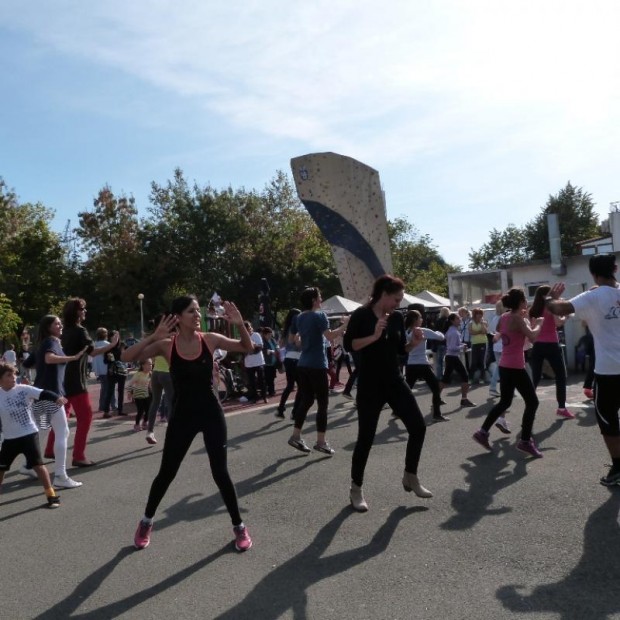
pixel 505 536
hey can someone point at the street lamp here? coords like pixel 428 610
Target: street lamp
pixel 141 298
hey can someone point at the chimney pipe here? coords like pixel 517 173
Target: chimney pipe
pixel 558 268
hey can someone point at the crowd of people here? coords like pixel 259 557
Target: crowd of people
pixel 389 350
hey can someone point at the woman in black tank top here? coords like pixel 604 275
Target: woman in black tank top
pixel 196 408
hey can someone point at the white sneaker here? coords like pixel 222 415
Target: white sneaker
pixel 243 399
pixel 31 473
pixel 150 438
pixel 64 482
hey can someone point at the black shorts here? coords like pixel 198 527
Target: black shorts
pixel 28 445
pixel 607 404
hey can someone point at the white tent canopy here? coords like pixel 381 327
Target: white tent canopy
pixel 412 299
pixel 433 299
pixel 339 305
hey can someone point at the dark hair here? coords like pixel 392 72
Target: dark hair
pixel 411 317
pixel 513 298
pixel 452 316
pixel 603 265
pixel 538 305
pixel 292 313
pixel 44 326
pixel 308 296
pixel 5 367
pixel 71 311
pixel 182 303
pixel 385 284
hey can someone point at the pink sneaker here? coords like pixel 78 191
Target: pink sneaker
pixel 242 538
pixel 529 447
pixel 588 393
pixel 565 413
pixel 142 537
pixel 482 437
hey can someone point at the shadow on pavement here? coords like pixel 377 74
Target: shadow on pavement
pixel 284 589
pixel 590 590
pixel 487 474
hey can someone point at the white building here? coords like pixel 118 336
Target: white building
pixel 485 288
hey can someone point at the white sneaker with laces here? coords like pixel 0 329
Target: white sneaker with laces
pixel 64 482
pixel 31 473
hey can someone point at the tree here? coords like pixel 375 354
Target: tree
pixel 577 220
pixel 9 320
pixel 505 247
pixel 415 259
pixel 113 273
pixel 34 272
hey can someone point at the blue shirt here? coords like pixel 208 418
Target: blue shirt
pixel 310 326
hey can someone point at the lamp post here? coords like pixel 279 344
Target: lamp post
pixel 141 298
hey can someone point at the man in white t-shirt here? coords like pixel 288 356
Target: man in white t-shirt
pixel 600 308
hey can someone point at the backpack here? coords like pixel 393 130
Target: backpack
pixel 116 368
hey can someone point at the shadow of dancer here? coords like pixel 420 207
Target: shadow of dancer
pixel 89 586
pixel 591 589
pixel 297 575
pixel 487 474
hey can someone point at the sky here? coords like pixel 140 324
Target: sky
pixel 474 112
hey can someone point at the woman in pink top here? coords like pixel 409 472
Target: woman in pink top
pixel 512 374
pixel 547 347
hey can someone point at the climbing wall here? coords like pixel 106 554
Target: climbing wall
pixel 345 199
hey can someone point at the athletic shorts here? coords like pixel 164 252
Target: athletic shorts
pixel 607 403
pixel 28 445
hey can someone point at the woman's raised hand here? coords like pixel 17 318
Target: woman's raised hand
pixel 231 313
pixel 166 325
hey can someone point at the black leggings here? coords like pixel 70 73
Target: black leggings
pixel 142 409
pixel 512 379
pixel 370 401
pixel 478 353
pixel 552 352
pixel 313 383
pixel 413 372
pixel 182 429
pixel 290 368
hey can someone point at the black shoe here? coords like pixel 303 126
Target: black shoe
pixel 442 402
pixel 611 479
pixel 107 416
pixel 83 463
pixel 279 413
pixel 440 418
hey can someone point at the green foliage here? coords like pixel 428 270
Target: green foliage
pixel 9 320
pixel 112 274
pixel 577 219
pixel 195 239
pixel 415 259
pixel 33 271
pixel 514 245
pixel 505 247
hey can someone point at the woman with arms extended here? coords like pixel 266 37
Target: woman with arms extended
pixel 50 362
pixel 547 347
pixel 514 330
pixel 196 408
pixel 377 331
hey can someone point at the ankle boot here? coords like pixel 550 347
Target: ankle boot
pixel 411 483
pixel 357 498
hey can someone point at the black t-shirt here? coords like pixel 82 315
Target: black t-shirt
pixel 73 340
pixel 379 360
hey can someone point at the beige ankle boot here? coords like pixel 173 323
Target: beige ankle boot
pixel 411 483
pixel 357 498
